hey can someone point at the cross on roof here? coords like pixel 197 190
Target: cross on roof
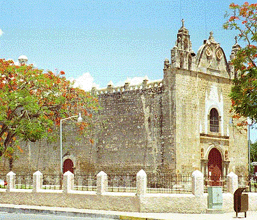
pixel 183 22
pixel 235 39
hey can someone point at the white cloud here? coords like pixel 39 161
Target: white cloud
pixel 1 32
pixel 85 81
pixel 133 81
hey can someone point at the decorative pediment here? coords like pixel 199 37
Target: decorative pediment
pixel 211 58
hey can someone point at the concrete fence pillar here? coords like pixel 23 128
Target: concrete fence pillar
pixel 232 182
pixel 10 181
pixel 102 183
pixel 197 183
pixel 141 183
pixel 37 181
pixel 68 182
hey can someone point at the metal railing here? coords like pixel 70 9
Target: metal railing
pixel 249 182
pixel 3 182
pixel 85 182
pixel 156 183
pixel 169 183
pixel 52 181
pixel 121 183
pixel 23 181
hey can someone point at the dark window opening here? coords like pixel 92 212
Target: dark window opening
pixel 214 120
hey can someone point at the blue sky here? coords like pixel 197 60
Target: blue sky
pixel 99 41
pixel 111 40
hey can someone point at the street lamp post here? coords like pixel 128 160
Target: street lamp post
pixel 64 119
pixel 249 148
pixel 250 123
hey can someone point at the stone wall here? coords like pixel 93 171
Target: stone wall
pixel 45 156
pixel 130 130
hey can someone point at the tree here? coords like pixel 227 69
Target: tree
pixel 244 91
pixel 32 102
pixel 253 153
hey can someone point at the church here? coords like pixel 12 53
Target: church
pixel 175 125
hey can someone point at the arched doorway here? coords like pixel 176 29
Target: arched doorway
pixel 214 167
pixel 68 166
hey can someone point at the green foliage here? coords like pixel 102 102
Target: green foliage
pixel 32 103
pixel 244 91
pixel 253 152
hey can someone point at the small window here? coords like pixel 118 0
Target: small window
pixel 214 120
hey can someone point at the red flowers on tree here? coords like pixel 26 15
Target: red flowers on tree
pixel 33 102
pixel 244 91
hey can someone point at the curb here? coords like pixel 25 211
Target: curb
pixel 57 212
pixel 136 218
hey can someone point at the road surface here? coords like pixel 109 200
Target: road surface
pixel 19 216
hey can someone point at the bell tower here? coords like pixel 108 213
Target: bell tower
pixel 235 48
pixel 182 54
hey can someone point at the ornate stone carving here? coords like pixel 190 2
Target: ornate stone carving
pixel 202 153
pixel 208 51
pixel 219 54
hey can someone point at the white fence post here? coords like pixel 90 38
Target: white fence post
pixel 102 183
pixel 232 182
pixel 68 182
pixel 37 181
pixel 141 183
pixel 197 183
pixel 10 181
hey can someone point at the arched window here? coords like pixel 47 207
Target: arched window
pixel 214 120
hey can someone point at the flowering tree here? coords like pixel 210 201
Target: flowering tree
pixel 32 102
pixel 244 91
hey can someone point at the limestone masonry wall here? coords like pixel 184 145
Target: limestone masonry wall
pixel 131 129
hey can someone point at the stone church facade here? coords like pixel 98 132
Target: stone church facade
pixel 178 124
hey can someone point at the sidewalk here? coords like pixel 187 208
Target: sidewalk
pixel 121 215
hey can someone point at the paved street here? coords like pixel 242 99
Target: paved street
pixel 22 212
pixel 20 216
pixel 173 216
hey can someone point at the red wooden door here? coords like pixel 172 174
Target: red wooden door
pixel 68 165
pixel 214 167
